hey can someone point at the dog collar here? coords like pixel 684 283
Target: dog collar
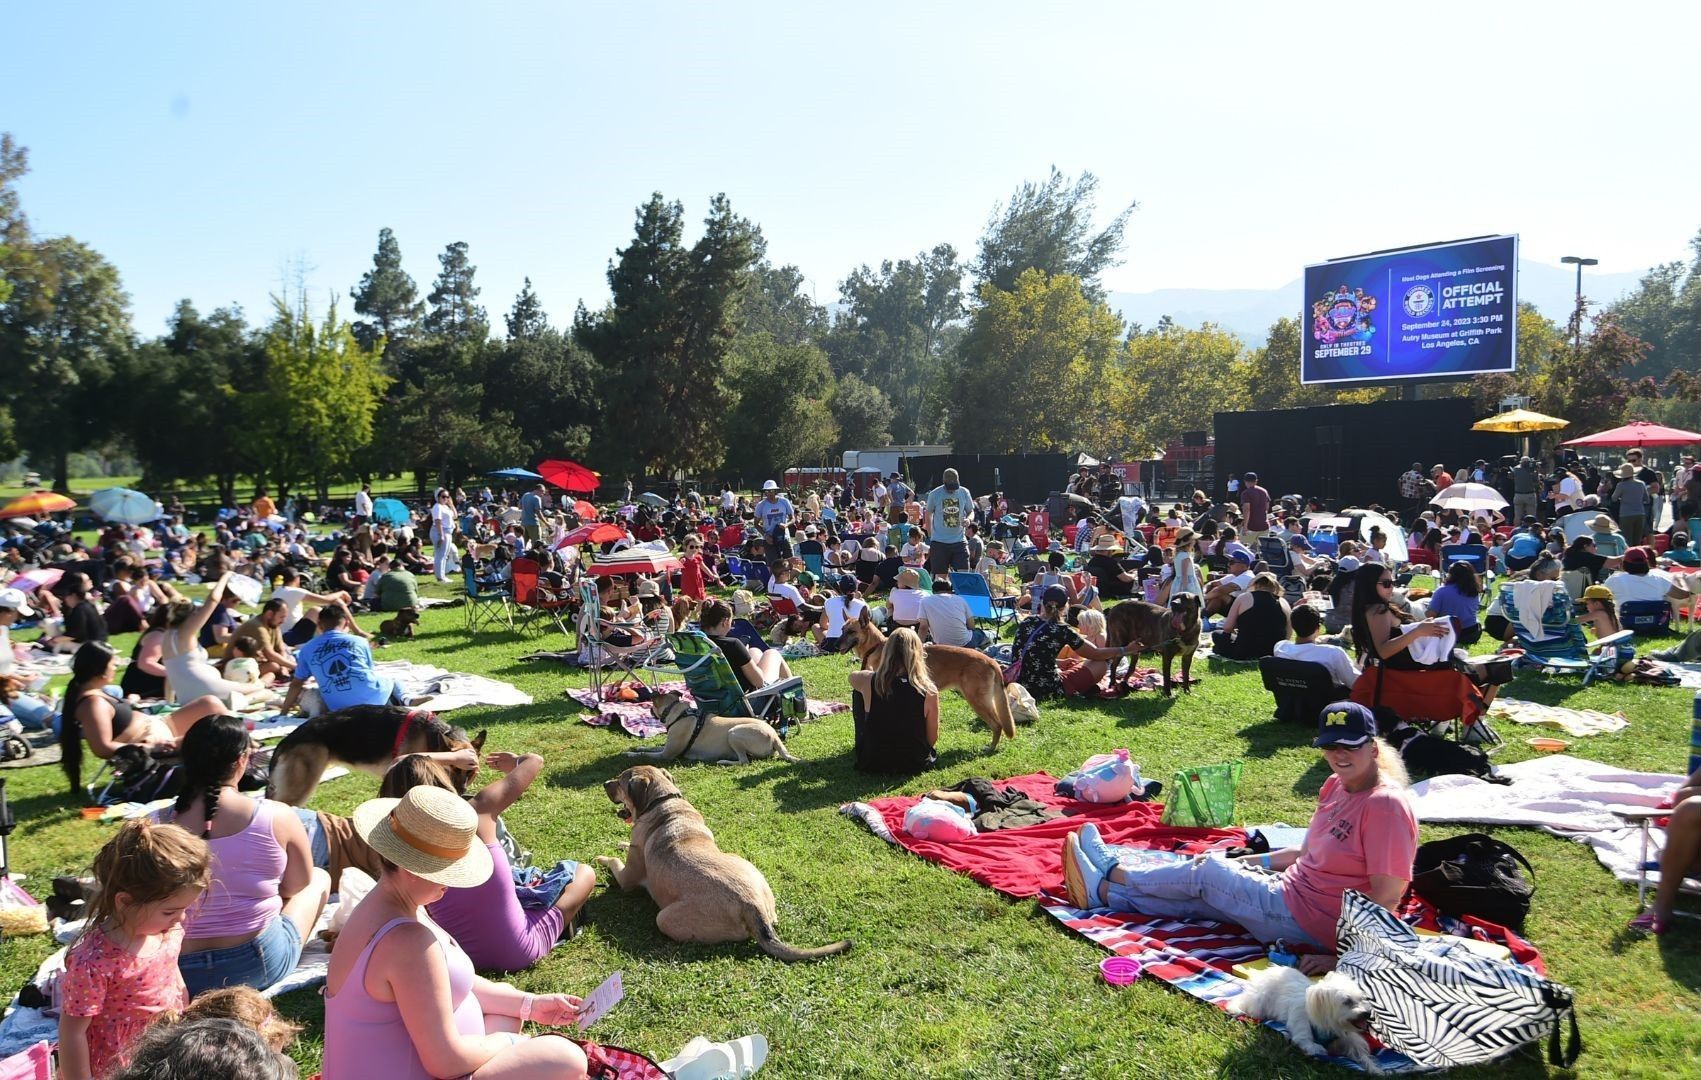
pixel 656 803
pixel 402 731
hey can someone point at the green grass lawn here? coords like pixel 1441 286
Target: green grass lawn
pixel 947 978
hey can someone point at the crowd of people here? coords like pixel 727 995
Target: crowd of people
pixel 215 896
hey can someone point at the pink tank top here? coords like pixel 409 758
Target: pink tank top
pixel 247 868
pixel 365 1037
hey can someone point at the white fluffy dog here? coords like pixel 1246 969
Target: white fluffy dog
pixel 1332 1009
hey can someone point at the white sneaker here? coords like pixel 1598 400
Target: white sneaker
pixel 690 1050
pixel 748 1054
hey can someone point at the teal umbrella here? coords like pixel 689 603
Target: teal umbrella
pixel 391 512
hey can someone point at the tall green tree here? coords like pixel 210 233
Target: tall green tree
pixel 774 303
pixel 318 393
pixel 64 332
pixel 527 319
pixel 1040 355
pixel 1174 379
pixel 455 312
pixel 782 407
pixel 387 297
pixel 862 413
pixel 14 226
pixel 546 383
pixel 1048 227
pixel 184 418
pixel 1665 311
pixel 661 344
pixel 895 333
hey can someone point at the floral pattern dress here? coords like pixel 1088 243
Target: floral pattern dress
pixel 1037 644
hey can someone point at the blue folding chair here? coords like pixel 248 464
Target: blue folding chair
pixel 1644 617
pixel 735 567
pixel 1475 554
pixel 974 589
pixel 1274 551
pixel 484 608
pixel 757 573
pixel 817 565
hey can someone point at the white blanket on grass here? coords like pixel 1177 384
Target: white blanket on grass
pixel 444 690
pixel 23 1027
pixel 1562 795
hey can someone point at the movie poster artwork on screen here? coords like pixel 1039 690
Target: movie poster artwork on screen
pixel 1441 311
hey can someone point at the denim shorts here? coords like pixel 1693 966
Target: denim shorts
pixel 316 841
pixel 258 963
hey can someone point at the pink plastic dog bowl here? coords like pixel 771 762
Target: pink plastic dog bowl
pixel 1119 970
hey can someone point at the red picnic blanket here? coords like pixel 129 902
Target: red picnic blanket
pixel 1023 862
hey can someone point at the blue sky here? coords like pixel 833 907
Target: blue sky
pixel 206 147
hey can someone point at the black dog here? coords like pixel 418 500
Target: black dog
pixel 1431 756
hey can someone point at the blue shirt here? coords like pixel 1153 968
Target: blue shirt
pixel 1449 601
pixel 1524 546
pixel 530 507
pixel 773 512
pixel 950 511
pixel 343 665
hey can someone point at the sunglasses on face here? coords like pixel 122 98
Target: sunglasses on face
pixel 1385 581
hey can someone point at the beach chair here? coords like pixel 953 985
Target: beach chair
pixel 1644 617
pixel 484 608
pixel 1645 820
pixel 817 565
pixel 1274 552
pixel 1301 689
pixel 735 567
pixel 1475 554
pixel 714 685
pixel 532 601
pixel 601 655
pixel 757 575
pixel 975 590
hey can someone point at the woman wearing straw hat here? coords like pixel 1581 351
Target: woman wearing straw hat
pixel 401 999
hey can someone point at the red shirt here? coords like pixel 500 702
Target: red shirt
pixel 1443 480
pixel 1352 836
pixel 691 577
pixel 731 537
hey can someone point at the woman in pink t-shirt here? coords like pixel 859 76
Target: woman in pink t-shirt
pixel 1363 836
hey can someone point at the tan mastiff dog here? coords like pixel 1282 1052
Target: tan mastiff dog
pixel 705 894
pixel 724 740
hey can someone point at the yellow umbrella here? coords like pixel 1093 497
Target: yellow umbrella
pixel 37 504
pixel 1520 422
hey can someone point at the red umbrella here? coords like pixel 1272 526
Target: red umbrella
pixel 593 533
pixel 633 561
pixel 584 510
pixel 1638 433
pixel 569 475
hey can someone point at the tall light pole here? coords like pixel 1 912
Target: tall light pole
pixel 1579 262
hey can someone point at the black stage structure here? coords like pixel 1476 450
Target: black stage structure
pixel 1024 478
pixel 1351 455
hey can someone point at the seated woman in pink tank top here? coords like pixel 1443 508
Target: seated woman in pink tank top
pixel 401 999
pixel 488 920
pixel 248 927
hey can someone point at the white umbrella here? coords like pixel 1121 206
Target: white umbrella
pixel 1395 550
pixel 1468 497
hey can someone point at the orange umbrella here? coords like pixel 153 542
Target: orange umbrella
pixel 37 504
pixel 584 510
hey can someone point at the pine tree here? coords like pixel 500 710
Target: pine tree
pixel 527 319
pixel 387 296
pixel 454 298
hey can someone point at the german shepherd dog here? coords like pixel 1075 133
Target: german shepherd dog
pixel 972 674
pixel 1171 631
pixel 366 737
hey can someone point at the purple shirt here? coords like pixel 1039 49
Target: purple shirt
pixel 1449 601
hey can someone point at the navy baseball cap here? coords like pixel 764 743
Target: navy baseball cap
pixel 1055 594
pixel 1345 723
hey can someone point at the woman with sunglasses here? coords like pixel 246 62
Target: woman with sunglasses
pixel 1380 629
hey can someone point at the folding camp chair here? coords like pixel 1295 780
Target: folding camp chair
pixel 532 601
pixel 484 608
pixel 757 575
pixel 714 685
pixel 1644 617
pixel 1645 820
pixel 974 589
pixel 1475 554
pixel 1302 689
pixel 599 654
pixel 817 565
pixel 1274 552
pixel 735 567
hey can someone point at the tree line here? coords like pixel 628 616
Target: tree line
pixel 707 359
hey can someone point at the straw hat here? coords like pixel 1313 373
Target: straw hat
pixel 1602 524
pixel 1107 544
pixel 1626 471
pixel 430 832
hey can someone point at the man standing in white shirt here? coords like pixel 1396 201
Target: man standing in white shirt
pixel 363 502
pixel 729 501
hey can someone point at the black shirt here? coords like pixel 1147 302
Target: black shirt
pixel 1591 561
pixel 84 623
pixel 891 734
pixel 1106 571
pixel 736 655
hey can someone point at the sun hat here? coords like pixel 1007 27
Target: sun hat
pixel 1107 543
pixel 769 485
pixel 1602 524
pixel 430 832
pixel 1626 471
pixel 1345 723
pixel 1599 592
pixel 15 600
pixel 1349 564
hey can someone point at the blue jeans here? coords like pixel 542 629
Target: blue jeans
pixel 258 963
pixel 1211 887
pixel 32 712
pixel 316 842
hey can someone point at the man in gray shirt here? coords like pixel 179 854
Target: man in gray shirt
pixel 1525 485
pixel 531 509
pixel 1631 495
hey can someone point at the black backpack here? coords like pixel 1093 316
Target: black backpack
pixel 1475 875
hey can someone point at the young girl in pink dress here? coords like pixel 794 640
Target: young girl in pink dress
pixel 122 973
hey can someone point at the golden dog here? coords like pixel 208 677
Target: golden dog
pixel 724 740
pixel 705 894
pixel 970 673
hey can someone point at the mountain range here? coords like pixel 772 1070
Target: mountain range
pixel 1248 313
